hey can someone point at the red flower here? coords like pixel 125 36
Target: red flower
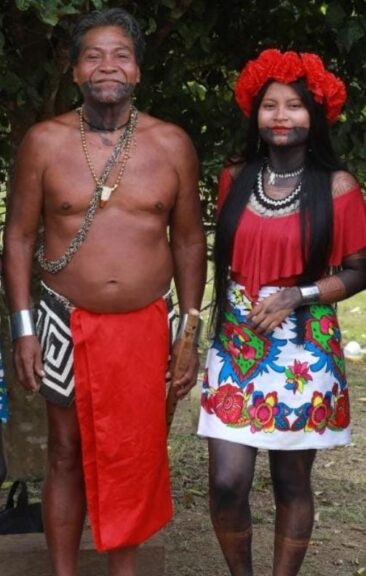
pixel 342 416
pixel 328 326
pixel 237 342
pixel 335 96
pixel 263 412
pixel 288 67
pixel 228 403
pixel 319 413
pixel 315 74
pixel 207 403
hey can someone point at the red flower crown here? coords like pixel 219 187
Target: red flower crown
pixel 287 67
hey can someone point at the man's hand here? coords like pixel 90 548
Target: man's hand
pixel 184 383
pixel 272 311
pixel 28 362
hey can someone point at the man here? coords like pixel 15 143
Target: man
pixel 107 181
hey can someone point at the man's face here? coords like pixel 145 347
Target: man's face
pixel 106 71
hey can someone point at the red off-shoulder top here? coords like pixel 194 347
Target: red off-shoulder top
pixel 267 251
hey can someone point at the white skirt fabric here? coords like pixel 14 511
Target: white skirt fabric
pixel 268 391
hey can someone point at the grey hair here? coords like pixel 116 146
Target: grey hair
pixel 113 17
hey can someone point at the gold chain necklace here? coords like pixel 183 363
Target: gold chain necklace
pixel 125 142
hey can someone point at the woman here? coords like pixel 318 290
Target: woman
pixel 290 242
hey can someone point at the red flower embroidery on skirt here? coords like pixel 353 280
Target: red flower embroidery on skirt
pixel 263 412
pixel 228 403
pixel 342 416
pixel 329 326
pixel 319 413
pixel 207 403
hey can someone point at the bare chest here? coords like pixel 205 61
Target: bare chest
pixel 141 182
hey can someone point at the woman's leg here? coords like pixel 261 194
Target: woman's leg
pixel 291 477
pixel 231 475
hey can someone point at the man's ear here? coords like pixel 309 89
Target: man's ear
pixel 138 77
pixel 75 75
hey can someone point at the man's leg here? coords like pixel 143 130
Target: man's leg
pixel 231 475
pixel 291 473
pixel 122 562
pixel 2 458
pixel 63 492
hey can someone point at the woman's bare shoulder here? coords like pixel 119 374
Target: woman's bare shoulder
pixel 342 182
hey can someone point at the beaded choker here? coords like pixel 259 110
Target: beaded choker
pixel 267 206
pixel 282 175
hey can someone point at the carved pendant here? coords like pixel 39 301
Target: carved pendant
pixel 106 194
pixel 272 178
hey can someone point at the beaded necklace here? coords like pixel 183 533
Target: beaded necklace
pixel 267 206
pixel 54 266
pixel 273 175
pixel 124 141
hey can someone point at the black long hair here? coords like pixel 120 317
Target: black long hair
pixel 316 206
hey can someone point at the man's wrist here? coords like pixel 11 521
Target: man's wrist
pixel 22 324
pixel 309 294
pixel 183 319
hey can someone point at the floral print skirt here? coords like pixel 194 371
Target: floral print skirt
pixel 269 391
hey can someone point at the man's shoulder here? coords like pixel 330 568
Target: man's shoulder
pixel 165 133
pixel 45 132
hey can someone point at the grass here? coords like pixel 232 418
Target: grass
pixel 352 314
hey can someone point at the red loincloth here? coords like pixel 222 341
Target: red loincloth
pixel 120 362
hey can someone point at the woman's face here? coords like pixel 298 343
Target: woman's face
pixel 283 119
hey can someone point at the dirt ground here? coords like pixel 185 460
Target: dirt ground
pixel 338 545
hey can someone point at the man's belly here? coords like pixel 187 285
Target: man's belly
pixel 101 283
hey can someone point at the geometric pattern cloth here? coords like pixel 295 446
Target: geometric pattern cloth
pixel 53 330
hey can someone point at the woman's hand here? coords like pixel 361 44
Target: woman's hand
pixel 272 311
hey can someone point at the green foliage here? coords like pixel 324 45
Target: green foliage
pixel 195 50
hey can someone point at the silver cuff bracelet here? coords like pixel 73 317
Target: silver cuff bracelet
pixel 310 294
pixel 182 324
pixel 22 324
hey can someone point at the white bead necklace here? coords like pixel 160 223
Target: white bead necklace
pixel 273 175
pixel 269 207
